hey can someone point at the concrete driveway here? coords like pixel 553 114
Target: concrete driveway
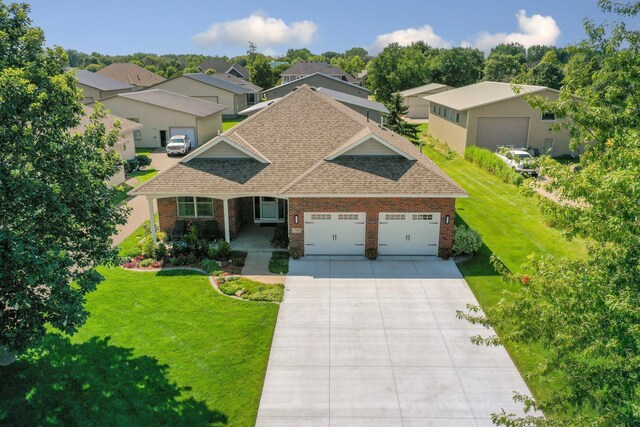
pixel 377 343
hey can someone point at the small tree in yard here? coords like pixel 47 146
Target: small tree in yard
pixel 585 312
pixel 57 217
pixel 396 123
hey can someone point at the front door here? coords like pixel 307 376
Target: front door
pixel 269 208
pixel 163 138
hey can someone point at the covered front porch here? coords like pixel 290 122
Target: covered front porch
pixel 247 221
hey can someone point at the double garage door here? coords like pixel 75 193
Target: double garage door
pixel 493 132
pixel 190 132
pixel 399 233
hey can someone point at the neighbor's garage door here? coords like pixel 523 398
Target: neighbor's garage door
pixel 408 233
pixel 191 132
pixel 334 233
pixel 493 132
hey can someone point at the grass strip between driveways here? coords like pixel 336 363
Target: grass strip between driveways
pixel 512 227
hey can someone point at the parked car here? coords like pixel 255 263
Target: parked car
pixel 179 144
pixel 518 160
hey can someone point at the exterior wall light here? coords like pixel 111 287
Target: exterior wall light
pixel 295 219
pixel 447 219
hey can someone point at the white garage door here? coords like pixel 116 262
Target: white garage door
pixel 408 233
pixel 334 233
pixel 191 132
pixel 493 132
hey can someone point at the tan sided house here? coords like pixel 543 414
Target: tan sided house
pixel 416 103
pixel 165 114
pixel 340 184
pixel 491 114
pixel 96 87
pixel 306 68
pixel 125 145
pixel 131 74
pixel 209 88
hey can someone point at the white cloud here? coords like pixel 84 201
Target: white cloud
pixel 259 28
pixel 534 29
pixel 407 36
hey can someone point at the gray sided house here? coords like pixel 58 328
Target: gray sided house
pixel 318 79
pixel 306 68
pixel 415 101
pixel 491 114
pixel 223 67
pixel 209 88
pixel 96 87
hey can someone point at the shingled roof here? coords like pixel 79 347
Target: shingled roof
pixel 305 139
pixel 131 74
pixel 109 121
pixel 100 82
pixel 174 101
pixel 304 68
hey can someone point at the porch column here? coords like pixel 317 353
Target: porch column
pixel 152 219
pixel 227 225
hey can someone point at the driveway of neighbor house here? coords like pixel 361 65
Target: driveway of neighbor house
pixel 139 206
pixel 378 343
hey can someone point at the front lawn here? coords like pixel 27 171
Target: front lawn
pixel 512 227
pixel 145 150
pixel 279 262
pixel 158 349
pixel 143 175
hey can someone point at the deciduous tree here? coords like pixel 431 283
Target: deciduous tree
pixel 57 215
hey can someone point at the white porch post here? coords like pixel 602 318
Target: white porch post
pixel 152 219
pixel 227 226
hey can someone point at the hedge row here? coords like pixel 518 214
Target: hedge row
pixel 488 161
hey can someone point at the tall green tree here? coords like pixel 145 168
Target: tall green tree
pixel 261 73
pixel 584 312
pixel 57 216
pixel 395 122
pixel 457 67
pixel 511 49
pixel 548 72
pixel 503 68
pixel 397 68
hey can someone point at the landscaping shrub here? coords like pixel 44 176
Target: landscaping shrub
pixel 146 262
pixel 224 249
pixel 488 161
pixel 201 247
pixel 179 248
pixel 210 265
pixel 131 165
pixel 279 263
pixel 280 237
pixel 251 290
pixel 371 253
pixel 159 251
pixel 229 288
pixel 238 262
pixel 132 252
pixel 466 241
pixel 212 250
pixel 143 160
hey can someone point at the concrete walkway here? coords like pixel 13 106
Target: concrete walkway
pixel 139 206
pixel 377 343
pixel 256 267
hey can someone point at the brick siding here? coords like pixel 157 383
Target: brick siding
pixel 168 215
pixel 372 207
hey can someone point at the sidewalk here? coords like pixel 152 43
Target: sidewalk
pixel 256 267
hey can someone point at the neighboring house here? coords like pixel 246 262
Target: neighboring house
pixel 132 74
pixel 415 101
pixel 372 110
pixel 125 145
pixel 223 67
pixel 256 91
pixel 210 88
pixel 361 77
pixel 96 87
pixel 341 185
pixel 317 80
pixel 491 114
pixel 306 68
pixel 165 114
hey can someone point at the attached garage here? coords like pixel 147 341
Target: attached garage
pixel 190 132
pixel 334 233
pixel 408 233
pixel 493 132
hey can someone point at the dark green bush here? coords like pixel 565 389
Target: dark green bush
pixel 143 160
pixel 131 165
pixel 466 241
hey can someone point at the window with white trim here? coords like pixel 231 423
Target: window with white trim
pixel 195 207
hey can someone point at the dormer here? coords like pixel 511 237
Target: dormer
pixel 366 143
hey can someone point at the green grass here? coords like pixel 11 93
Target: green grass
pixel 122 192
pixel 131 244
pixel 252 290
pixel 228 124
pixel 512 227
pixel 279 263
pixel 143 175
pixel 145 150
pixel 158 349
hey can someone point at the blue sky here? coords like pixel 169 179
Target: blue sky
pixel 224 27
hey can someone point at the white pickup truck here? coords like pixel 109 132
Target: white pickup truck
pixel 518 160
pixel 179 144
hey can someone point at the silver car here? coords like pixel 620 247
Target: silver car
pixel 178 144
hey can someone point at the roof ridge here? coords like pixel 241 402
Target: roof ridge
pixel 301 176
pixel 256 151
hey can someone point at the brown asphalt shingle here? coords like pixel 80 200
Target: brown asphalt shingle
pixel 296 134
